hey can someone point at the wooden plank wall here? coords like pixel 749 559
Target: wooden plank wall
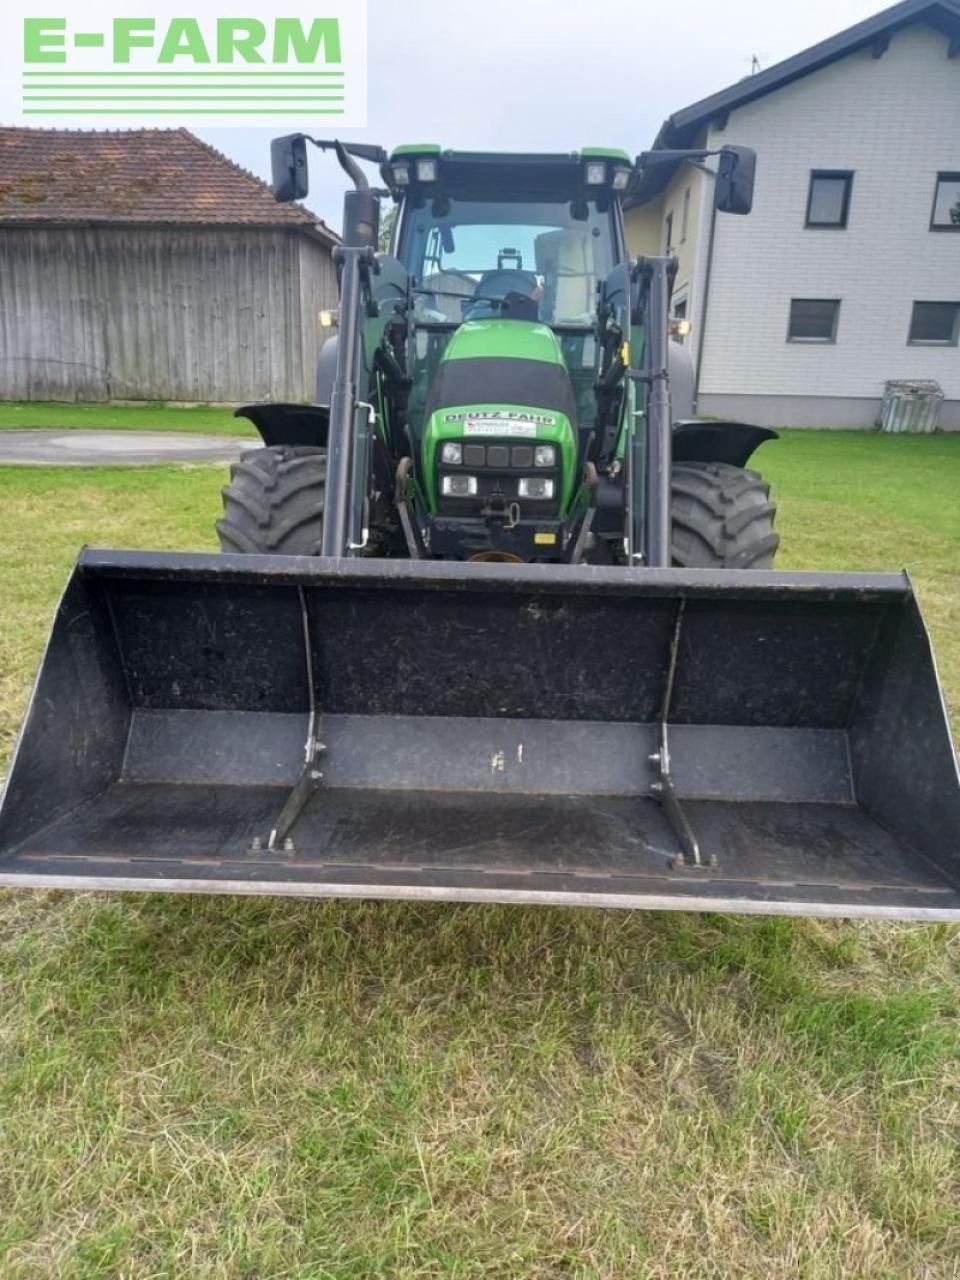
pixel 158 313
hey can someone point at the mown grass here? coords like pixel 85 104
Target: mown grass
pixel 220 1088
pixel 853 500
pixel 18 415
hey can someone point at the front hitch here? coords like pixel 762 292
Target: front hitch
pixel 500 516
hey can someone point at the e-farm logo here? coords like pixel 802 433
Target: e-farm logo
pixel 227 63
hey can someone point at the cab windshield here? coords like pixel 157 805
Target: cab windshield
pixel 469 255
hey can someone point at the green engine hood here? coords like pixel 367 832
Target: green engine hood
pixel 502 379
pixel 504 340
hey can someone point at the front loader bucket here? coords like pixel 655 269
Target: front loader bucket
pixel 764 742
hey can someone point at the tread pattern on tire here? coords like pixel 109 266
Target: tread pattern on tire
pixel 722 517
pixel 274 502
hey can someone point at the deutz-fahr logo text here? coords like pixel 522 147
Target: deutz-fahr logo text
pixel 507 415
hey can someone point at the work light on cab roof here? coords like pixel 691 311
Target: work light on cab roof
pixel 427 165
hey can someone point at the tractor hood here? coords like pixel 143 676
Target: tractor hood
pixel 504 381
pixel 499 339
pixel 508 362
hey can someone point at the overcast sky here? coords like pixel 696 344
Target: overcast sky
pixel 550 74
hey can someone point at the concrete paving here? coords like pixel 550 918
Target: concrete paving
pixel 53 448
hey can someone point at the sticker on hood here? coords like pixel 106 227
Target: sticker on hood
pixel 504 424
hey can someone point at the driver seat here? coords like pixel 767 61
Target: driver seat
pixel 512 286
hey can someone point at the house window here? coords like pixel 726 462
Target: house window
pixel 934 324
pixel 946 203
pixel 685 216
pixel 668 232
pixel 828 200
pixel 813 319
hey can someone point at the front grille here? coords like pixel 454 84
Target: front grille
pixel 501 456
pixel 498 468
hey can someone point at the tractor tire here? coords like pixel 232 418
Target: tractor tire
pixel 722 517
pixel 273 504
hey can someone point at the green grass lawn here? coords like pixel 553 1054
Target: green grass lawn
pixel 209 419
pixel 251 1088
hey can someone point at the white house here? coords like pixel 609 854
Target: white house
pixel 847 272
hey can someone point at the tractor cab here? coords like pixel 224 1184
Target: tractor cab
pixel 506 255
pixel 499 386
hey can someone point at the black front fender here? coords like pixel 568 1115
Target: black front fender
pixel 292 424
pixel 730 442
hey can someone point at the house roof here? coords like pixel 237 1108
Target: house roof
pixel 683 128
pixel 134 176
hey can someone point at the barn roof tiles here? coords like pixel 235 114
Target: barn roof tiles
pixel 134 176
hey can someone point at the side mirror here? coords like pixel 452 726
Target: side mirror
pixel 288 158
pixel 361 220
pixel 733 188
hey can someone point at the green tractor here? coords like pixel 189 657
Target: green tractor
pixel 507 352
pixel 494 619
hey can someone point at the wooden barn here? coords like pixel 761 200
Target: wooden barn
pixel 145 265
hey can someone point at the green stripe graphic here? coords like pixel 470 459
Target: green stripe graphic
pixel 183 73
pixel 178 91
pixel 179 97
pixel 194 111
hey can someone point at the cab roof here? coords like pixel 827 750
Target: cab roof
pixel 414 149
pixel 527 173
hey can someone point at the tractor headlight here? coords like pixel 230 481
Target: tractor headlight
pixel 596 173
pixel 537 487
pixel 545 455
pixel 401 175
pixel 459 486
pixel 426 170
pixel 452 453
pixel 621 179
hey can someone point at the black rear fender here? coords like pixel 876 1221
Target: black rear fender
pixel 292 424
pixel 731 442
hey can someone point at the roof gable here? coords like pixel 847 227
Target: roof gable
pixel 134 176
pixel 944 15
pixel 685 127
